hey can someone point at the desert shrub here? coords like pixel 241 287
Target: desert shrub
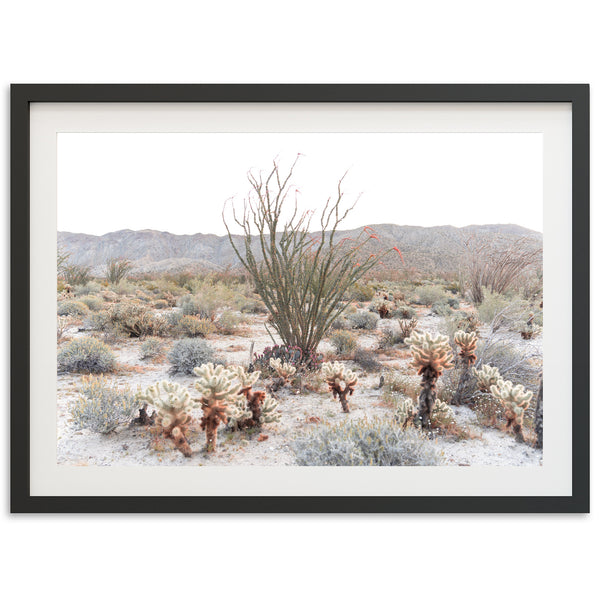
pixel 363 319
pixel 190 326
pixel 344 342
pixel 87 289
pixel 492 304
pixel 390 338
pixel 86 355
pixel 363 442
pixel 430 294
pixel 102 406
pixel 173 318
pixel 441 308
pixel 404 312
pixel 63 324
pixel 92 302
pixel 204 305
pixel 135 320
pixel 361 292
pixel 366 359
pixel 453 302
pixel 151 347
pixel 98 321
pixel 189 353
pixel 397 383
pixel 229 322
pixel 489 411
pixel 76 274
pixel 188 305
pixel 292 355
pixel 71 308
pixel 340 323
pixel 461 321
pixel 253 306
pixel 161 304
pixel 116 269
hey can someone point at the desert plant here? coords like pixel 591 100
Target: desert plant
pixel 404 313
pixel 441 308
pixel 344 342
pixel 72 308
pixel 151 347
pixel 431 355
pixel 407 327
pixel 189 353
pixel 174 405
pixel 102 406
pixel 63 324
pixel 341 381
pixel 76 274
pixel 486 377
pixel 218 393
pixel 363 319
pixel 117 269
pixel 366 359
pixel 86 355
pixel 161 304
pixel 538 422
pixel 382 307
pixel 363 442
pixel 302 277
pixel 467 344
pixel 283 369
pixel 442 415
pixel 135 320
pixel 515 399
pixel 192 327
pixel 94 303
pixel 361 292
pixel 406 413
pixel 228 322
pixel 430 294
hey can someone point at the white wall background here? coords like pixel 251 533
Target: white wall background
pixel 311 41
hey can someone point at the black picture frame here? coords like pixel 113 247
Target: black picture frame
pixel 22 95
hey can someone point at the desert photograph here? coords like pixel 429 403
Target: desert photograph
pixel 301 299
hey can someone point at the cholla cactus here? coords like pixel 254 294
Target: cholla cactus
pixel 467 343
pixel 442 414
pixel 247 380
pixel 238 414
pixel 515 399
pixel 174 404
pixel 219 390
pixel 486 377
pixel 269 413
pixel 431 355
pixel 341 381
pixel 283 369
pixel 254 407
pixel 384 307
pixel 406 413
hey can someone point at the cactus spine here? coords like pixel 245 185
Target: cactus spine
pixel 515 399
pixel 174 404
pixel 431 355
pixel 467 343
pixel 341 381
pixel 218 389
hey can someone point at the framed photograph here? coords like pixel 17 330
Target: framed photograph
pixel 300 298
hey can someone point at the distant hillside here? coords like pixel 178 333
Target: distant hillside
pixel 426 249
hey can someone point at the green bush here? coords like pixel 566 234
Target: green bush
pixel 92 302
pixel 344 342
pixel 441 308
pixel 187 354
pixel 193 327
pixel 228 323
pixel 151 347
pixel 136 320
pixel 102 406
pixel 404 312
pixel 86 355
pixel 363 319
pixel 430 294
pixel 363 442
pixel 72 308
pixel 361 292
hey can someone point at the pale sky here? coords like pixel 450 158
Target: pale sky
pixel 178 182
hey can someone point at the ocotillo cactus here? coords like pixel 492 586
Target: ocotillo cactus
pixel 467 343
pixel 515 399
pixel 406 413
pixel 219 390
pixel 486 377
pixel 341 381
pixel 431 355
pixel 283 369
pixel 174 404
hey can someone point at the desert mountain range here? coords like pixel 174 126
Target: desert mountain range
pixel 426 249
